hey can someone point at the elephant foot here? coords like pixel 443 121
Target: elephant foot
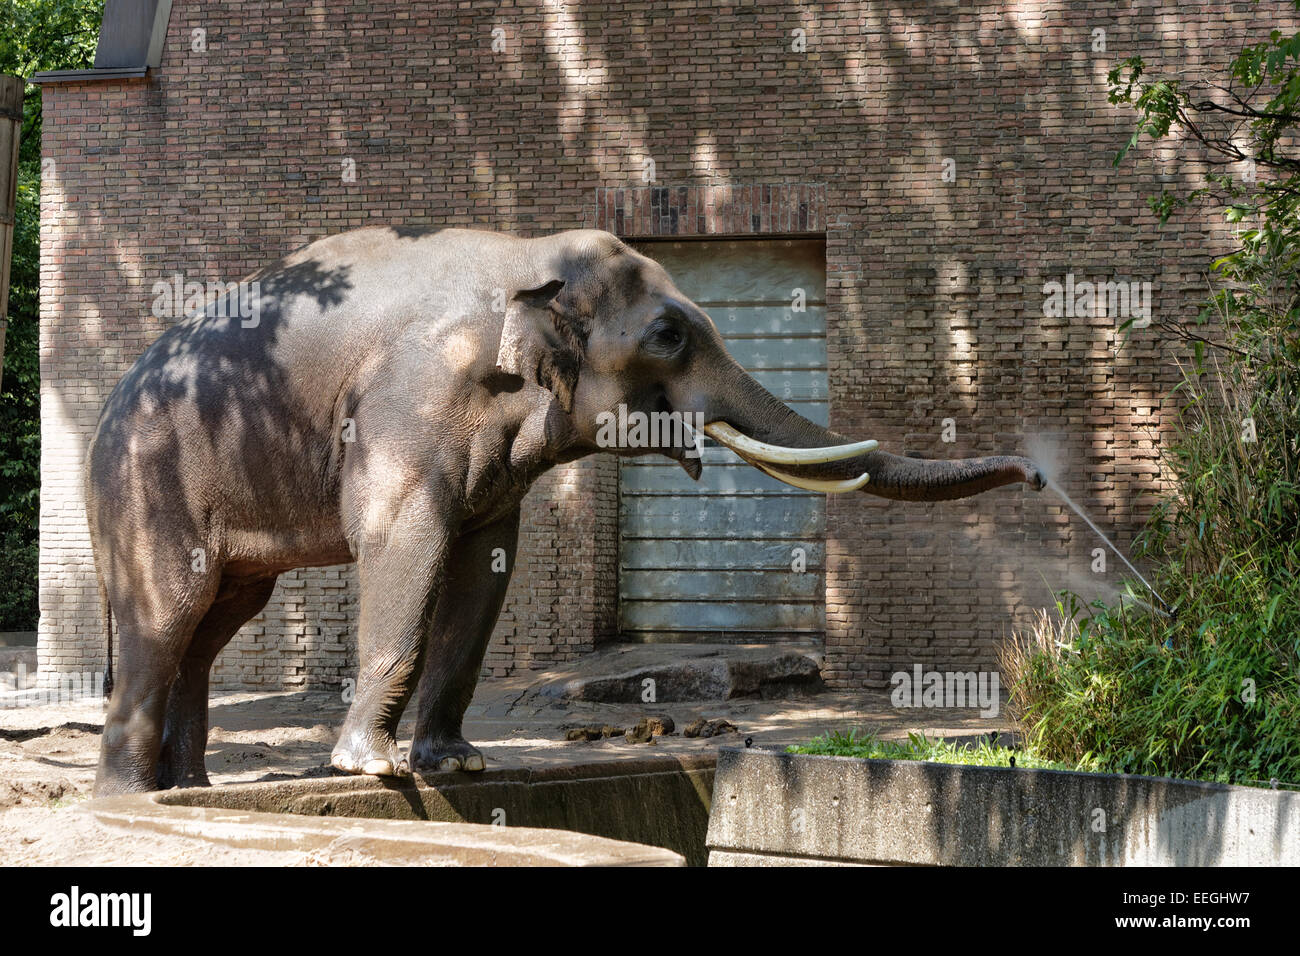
pixel 180 767
pixel 109 783
pixel 168 778
pixel 375 758
pixel 373 764
pixel 444 756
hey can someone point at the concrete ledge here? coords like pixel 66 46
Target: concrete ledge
pixel 51 77
pixel 772 808
pixel 390 842
pixel 647 811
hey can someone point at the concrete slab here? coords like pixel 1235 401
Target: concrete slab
pixel 375 842
pixel 656 800
pixel 774 808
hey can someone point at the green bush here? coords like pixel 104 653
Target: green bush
pixel 1203 696
pixel 1209 690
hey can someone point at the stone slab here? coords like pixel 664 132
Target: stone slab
pixel 843 809
pixel 688 672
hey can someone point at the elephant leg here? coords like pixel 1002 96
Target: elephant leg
pixel 146 664
pixel 153 634
pixel 462 627
pixel 185 729
pixel 401 579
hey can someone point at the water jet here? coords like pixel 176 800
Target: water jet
pixel 1164 608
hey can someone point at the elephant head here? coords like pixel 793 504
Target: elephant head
pixel 606 330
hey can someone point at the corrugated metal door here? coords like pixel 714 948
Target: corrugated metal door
pixel 716 559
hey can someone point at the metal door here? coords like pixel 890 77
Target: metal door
pixel 737 556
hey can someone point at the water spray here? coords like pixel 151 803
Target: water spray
pixel 1164 609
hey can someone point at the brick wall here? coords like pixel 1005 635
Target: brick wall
pixel 229 156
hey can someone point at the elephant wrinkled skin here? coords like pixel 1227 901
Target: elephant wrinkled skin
pixel 389 401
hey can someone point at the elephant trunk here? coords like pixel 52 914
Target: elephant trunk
pixel 763 430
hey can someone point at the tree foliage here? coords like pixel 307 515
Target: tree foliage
pixel 1213 689
pixel 35 35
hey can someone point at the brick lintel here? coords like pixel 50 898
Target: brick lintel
pixel 713 209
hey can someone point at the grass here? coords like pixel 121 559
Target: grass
pixel 867 745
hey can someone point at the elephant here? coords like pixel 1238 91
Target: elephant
pixel 386 396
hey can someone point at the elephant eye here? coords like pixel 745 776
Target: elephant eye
pixel 663 336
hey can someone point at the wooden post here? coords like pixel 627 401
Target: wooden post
pixel 11 125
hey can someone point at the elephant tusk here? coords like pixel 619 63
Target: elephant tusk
pixel 813 484
pixel 752 448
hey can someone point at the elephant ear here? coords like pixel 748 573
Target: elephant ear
pixel 540 344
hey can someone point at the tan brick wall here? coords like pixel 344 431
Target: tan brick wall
pixel 225 159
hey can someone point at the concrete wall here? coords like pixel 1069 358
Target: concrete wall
pixel 649 801
pixel 783 809
pixel 240 148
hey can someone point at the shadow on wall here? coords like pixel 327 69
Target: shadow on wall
pixel 931 282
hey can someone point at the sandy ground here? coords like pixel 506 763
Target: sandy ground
pixel 48 755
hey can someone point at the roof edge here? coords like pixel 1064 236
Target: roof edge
pixel 89 76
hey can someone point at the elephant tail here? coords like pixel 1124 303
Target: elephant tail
pixel 106 611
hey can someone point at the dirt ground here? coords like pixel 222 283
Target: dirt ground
pixel 48 755
pixel 47 769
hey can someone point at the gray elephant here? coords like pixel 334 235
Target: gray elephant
pixel 387 397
